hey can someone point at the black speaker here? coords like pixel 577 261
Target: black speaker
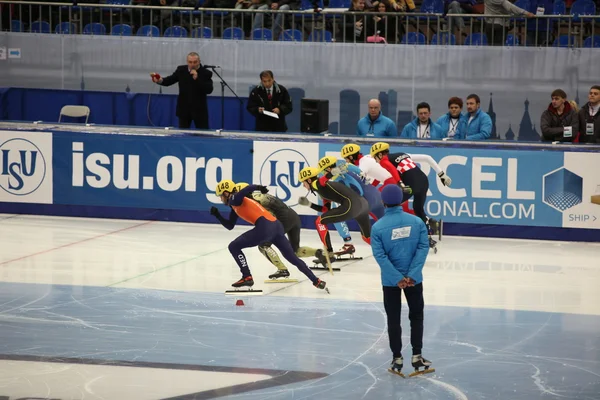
pixel 314 115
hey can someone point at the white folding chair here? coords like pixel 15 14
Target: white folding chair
pixel 75 112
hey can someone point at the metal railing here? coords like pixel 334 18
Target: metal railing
pixel 329 25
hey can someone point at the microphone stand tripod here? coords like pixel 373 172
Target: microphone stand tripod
pixel 223 85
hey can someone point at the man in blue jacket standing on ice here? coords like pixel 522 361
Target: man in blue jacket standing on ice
pixel 400 245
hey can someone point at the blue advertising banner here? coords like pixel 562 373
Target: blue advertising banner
pixel 508 187
pixel 170 172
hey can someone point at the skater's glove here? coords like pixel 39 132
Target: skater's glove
pixel 445 178
pixel 407 190
pixel 303 201
pixel 263 189
pixel 214 211
pixel 335 171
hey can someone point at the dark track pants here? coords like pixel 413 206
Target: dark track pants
pixel 392 302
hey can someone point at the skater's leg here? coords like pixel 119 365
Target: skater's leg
pixel 416 305
pixel 284 246
pixel 343 231
pixel 364 223
pixel 392 302
pixel 252 238
pixel 419 184
pixel 376 208
pixel 324 234
pixel 267 250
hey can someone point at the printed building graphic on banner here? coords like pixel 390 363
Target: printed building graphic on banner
pixel 580 183
pixel 277 164
pixel 26 167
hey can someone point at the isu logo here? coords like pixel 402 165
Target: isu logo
pixel 22 167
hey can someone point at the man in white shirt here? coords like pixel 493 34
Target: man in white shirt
pixel 373 172
pixel 589 117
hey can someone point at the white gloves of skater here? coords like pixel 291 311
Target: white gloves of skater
pixel 335 171
pixel 445 178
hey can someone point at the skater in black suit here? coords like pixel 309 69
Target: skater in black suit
pixel 195 82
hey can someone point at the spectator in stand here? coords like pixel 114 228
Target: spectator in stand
pixel 453 123
pixel 559 122
pixel 589 117
pixel 278 23
pixel 422 127
pixel 458 7
pixel 259 18
pixel 214 22
pixel 496 28
pixel 403 5
pixel 354 29
pixel 479 124
pixel 384 25
pixel 376 124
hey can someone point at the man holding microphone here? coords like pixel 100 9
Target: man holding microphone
pixel 195 83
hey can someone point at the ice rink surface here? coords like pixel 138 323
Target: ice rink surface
pixel 125 310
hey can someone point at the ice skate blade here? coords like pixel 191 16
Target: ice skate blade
pixel 244 292
pixel 425 371
pixel 348 258
pixel 281 280
pixel 396 373
pixel 322 268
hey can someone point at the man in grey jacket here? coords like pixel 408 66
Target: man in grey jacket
pixel 560 121
pixel 496 28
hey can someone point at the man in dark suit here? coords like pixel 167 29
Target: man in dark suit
pixel 195 82
pixel 269 96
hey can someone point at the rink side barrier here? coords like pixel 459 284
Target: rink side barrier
pixel 499 189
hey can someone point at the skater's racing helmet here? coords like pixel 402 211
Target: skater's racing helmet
pixel 350 150
pixel 225 186
pixel 308 173
pixel 379 147
pixel 239 186
pixel 326 162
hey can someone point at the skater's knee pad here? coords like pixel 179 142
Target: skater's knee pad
pixel 303 252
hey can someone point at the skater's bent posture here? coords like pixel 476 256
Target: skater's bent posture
pixel 291 227
pixel 351 205
pixel 266 229
pixel 404 169
pixel 400 246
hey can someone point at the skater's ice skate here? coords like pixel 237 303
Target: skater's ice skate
pixel 244 286
pixel 245 281
pixel 433 245
pixel 321 261
pixel 419 362
pixel 396 366
pixel 347 253
pixel 348 249
pixel 281 276
pixel 321 285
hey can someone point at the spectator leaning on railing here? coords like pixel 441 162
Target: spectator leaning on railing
pixel 559 122
pixel 422 127
pixel 479 125
pixel 375 123
pixel 589 117
pixel 496 28
pixel 454 123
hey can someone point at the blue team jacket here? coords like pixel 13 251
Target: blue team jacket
pixel 382 126
pixel 461 128
pixel 480 127
pixel 410 130
pixel 400 245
